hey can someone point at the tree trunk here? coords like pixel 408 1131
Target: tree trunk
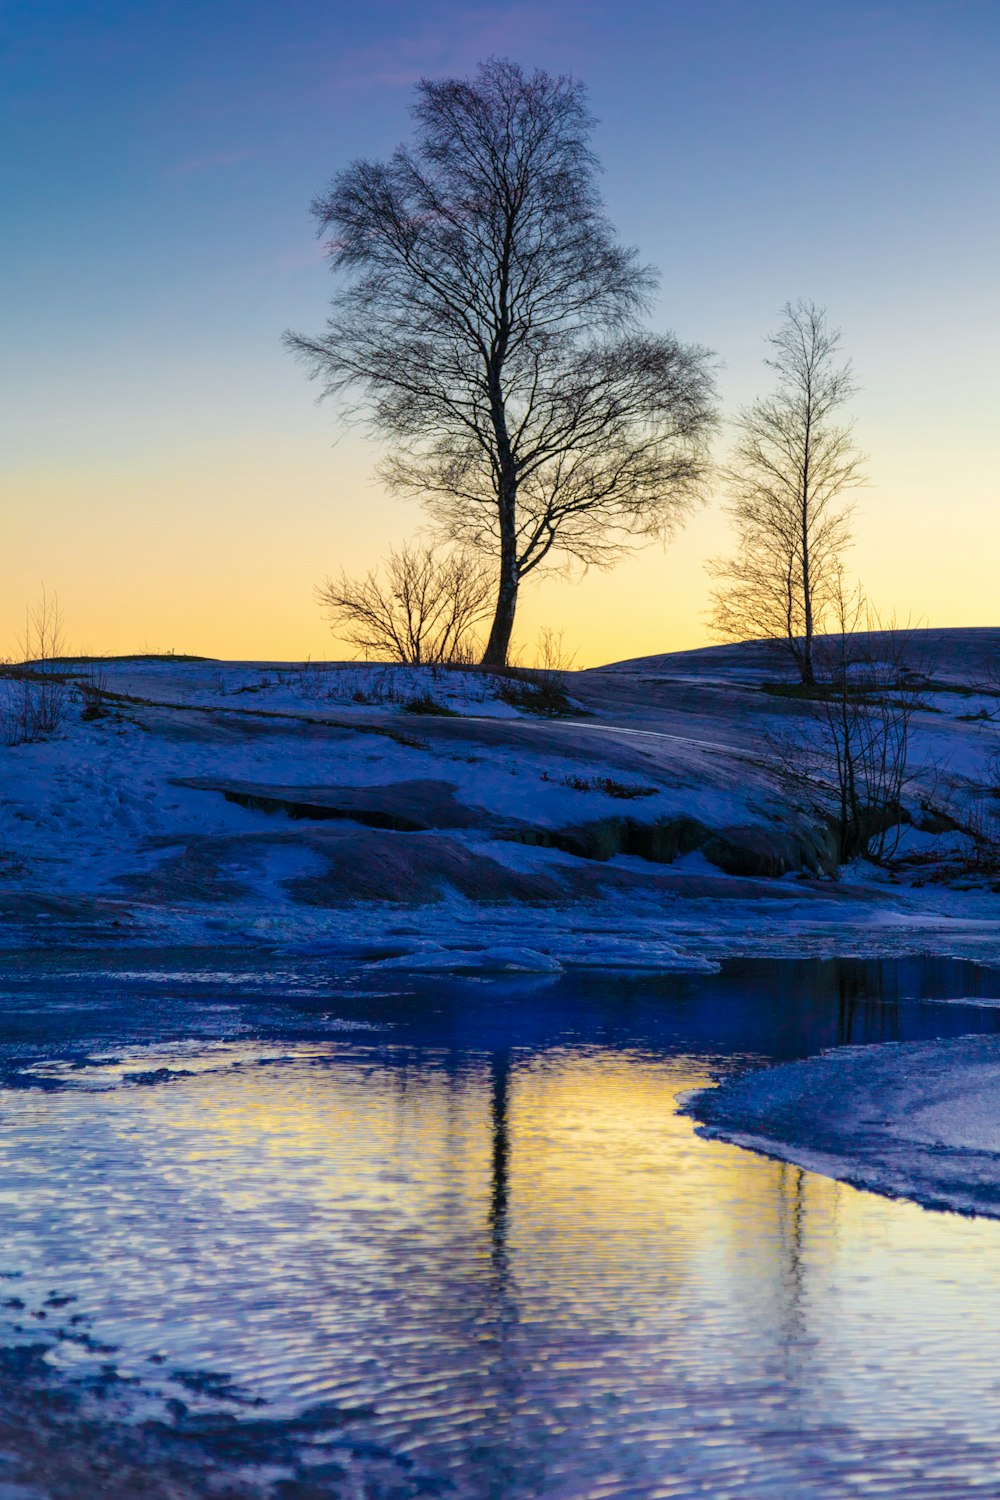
pixel 808 675
pixel 498 645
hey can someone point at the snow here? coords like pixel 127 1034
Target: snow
pixel 147 825
pixel 602 951
pixel 571 950
pixel 490 960
pixel 316 687
pixel 919 1120
pixel 966 1117
pixel 103 836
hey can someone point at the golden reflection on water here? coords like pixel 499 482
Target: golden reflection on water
pixel 529 1264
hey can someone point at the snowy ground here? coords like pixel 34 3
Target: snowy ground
pixel 915 1120
pixel 336 810
pixel 314 805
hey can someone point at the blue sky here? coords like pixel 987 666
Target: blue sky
pixel 163 458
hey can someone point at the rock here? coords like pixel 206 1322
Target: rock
pixel 404 806
pixel 753 849
pixel 661 841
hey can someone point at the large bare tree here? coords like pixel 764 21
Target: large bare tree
pixel 487 325
pixel 787 477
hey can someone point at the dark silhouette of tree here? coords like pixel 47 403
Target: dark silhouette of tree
pixel 487 325
pixel 787 476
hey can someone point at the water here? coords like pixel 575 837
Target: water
pixel 468 1215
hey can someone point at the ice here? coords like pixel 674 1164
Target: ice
pixel 918 1120
pixel 491 960
pixel 604 952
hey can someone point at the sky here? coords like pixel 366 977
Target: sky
pixel 165 468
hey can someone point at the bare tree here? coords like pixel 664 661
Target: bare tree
pixel 487 324
pixel 787 477
pixel 865 710
pixel 423 611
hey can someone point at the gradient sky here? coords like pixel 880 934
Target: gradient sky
pixel 165 467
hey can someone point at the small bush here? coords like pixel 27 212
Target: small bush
pixel 93 707
pixel 31 709
pixel 622 790
pixel 92 689
pixel 425 704
pixel 534 694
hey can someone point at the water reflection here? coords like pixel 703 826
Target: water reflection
pixel 489 1224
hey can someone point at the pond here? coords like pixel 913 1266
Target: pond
pixel 464 1221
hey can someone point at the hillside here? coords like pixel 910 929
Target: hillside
pixel 438 817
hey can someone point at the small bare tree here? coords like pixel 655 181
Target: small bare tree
pixel 34 705
pixel 487 321
pixel 865 707
pixel 423 610
pixel 787 476
pixel 550 653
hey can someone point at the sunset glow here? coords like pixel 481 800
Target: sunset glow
pixel 166 470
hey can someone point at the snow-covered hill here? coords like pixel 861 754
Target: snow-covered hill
pixel 436 811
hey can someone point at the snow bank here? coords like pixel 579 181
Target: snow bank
pixel 491 960
pixel 223 801
pixel 599 951
pixel 568 950
pixel 917 1120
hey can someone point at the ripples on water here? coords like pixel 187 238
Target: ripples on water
pixel 475 1213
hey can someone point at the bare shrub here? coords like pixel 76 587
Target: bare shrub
pixel 93 688
pixel 34 706
pixel 980 830
pixel 534 692
pixel 540 689
pixel 423 609
pixel 848 750
pixel 426 703
pixel 865 709
pixel 980 821
pixel 624 791
pixel 550 653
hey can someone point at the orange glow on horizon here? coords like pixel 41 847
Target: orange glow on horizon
pixel 219 556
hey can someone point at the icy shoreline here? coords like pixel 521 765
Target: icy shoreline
pixel 915 1120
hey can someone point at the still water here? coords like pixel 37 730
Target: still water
pixel 468 1214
